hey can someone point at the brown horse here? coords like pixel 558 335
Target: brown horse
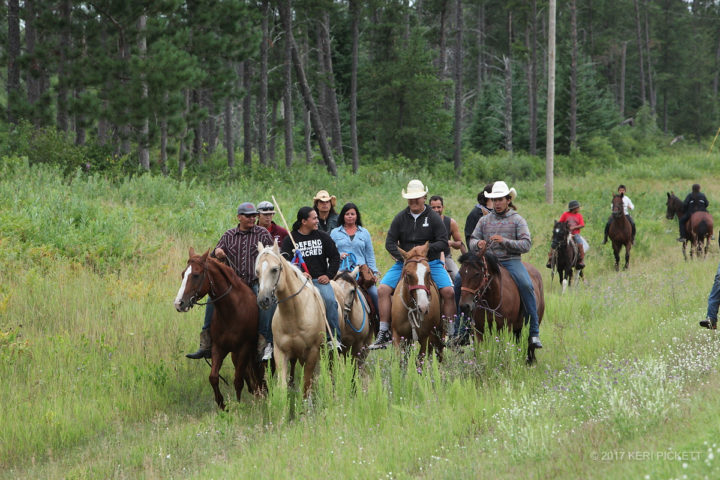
pixel 699 228
pixel 234 326
pixel 564 254
pixel 416 306
pixel 490 295
pixel 620 231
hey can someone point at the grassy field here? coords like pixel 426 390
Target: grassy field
pixel 95 383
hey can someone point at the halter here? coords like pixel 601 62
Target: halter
pixel 348 309
pixel 211 294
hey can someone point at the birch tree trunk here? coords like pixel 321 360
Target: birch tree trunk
pixel 355 13
pixel 457 158
pixel 262 98
pixel 550 127
pixel 573 74
pixel 331 96
pixel 144 136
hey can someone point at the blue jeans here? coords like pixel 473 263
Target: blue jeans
pixel 714 298
pixel 331 306
pixel 462 324
pixel 372 291
pixel 264 318
pixel 520 275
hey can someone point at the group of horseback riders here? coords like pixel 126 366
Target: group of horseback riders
pixel 321 239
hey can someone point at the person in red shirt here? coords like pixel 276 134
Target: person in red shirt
pixel 576 222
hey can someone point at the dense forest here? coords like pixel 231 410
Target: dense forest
pixel 169 83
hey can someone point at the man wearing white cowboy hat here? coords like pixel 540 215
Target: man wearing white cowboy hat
pixel 414 226
pixel 507 236
pixel 324 205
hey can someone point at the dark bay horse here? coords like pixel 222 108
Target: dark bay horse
pixel 699 228
pixel 564 254
pixel 490 295
pixel 416 306
pixel 234 326
pixel 620 231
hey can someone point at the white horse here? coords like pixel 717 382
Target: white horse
pixel 355 328
pixel 298 325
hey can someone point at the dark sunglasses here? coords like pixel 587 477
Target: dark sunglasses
pixel 249 215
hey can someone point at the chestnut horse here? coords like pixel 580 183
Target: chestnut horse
pixel 564 254
pixel 699 228
pixel 416 306
pixel 620 231
pixel 299 321
pixel 234 326
pixel 490 295
pixel 355 325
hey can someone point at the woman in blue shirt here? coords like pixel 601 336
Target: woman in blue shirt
pixel 352 237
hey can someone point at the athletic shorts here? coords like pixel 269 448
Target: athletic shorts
pixel 437 271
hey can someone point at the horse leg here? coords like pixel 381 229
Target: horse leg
pixel 310 363
pixel 281 363
pixel 616 253
pixel 238 360
pixel 217 360
pixel 684 253
pixel 419 362
pixel 291 377
pixel 627 256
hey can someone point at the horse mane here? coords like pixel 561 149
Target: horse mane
pixel 474 259
pixel 226 271
pixel 282 259
pixel 345 275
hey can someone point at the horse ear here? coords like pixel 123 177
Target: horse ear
pixel 192 252
pixel 276 247
pixel 260 246
pixel 402 252
pixel 424 248
pixel 205 255
pixel 668 194
pixel 355 271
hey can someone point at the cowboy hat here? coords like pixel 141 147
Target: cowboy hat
pixel 573 204
pixel 500 190
pixel 415 189
pixel 324 196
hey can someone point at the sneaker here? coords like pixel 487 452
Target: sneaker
pixel 268 352
pixel 709 323
pixel 333 345
pixel 535 342
pixel 384 337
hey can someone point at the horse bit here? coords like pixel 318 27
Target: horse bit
pixel 479 293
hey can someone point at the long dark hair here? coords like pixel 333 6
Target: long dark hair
pixel 344 210
pixel 303 214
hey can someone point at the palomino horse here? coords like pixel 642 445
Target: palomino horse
pixel 299 321
pixel 699 228
pixel 234 326
pixel 416 305
pixel 565 254
pixel 355 326
pixel 620 231
pixel 490 295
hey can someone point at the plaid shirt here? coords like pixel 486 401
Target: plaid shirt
pixel 241 250
pixel 511 226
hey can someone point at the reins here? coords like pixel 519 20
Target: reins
pixel 211 293
pixel 479 293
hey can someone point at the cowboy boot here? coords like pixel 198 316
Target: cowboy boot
pixel 205 349
pixel 581 257
pixel 709 323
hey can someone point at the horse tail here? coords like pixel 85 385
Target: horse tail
pixel 702 230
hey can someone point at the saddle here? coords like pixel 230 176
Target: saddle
pixel 366 279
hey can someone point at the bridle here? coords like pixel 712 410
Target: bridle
pixel 415 317
pixel 211 293
pixel 273 296
pixel 479 292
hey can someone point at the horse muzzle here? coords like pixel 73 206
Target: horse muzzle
pixel 266 302
pixel 184 305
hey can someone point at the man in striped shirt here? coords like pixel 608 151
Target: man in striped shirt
pixel 238 246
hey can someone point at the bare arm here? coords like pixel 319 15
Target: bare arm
pixel 455 238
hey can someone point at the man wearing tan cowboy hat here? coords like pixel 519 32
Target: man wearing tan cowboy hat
pixel 414 226
pixel 507 236
pixel 324 205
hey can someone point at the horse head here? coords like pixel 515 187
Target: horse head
pixel 561 232
pixel 674 206
pixel 618 209
pixel 268 268
pixel 195 282
pixel 349 288
pixel 416 275
pixel 476 270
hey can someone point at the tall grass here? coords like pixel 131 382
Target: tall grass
pixel 95 383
